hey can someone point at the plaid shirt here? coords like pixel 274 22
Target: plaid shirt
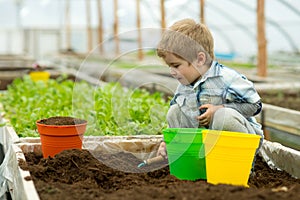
pixel 220 85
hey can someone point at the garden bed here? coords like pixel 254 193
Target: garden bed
pixel 77 174
pixel 287 99
pixel 94 180
pixel 109 181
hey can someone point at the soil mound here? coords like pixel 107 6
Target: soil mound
pixel 77 174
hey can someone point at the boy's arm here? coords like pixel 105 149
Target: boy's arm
pixel 242 96
pixel 246 109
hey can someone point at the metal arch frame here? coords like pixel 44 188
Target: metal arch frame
pixel 246 30
pixel 273 23
pixel 286 4
pixel 147 4
pixel 220 31
pixel 237 23
pixel 223 35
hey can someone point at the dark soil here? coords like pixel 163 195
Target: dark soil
pixel 4 83
pixel 287 99
pixel 76 174
pixel 60 120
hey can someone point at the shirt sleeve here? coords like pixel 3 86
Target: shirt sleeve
pixel 246 109
pixel 239 89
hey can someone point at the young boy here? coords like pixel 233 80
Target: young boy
pixel 209 94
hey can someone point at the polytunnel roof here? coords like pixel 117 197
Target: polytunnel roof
pixel 232 22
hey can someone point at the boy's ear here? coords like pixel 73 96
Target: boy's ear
pixel 201 58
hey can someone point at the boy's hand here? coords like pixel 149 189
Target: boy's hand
pixel 206 117
pixel 162 150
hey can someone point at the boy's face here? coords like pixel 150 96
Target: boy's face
pixel 181 70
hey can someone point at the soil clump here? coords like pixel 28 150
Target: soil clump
pixel 61 120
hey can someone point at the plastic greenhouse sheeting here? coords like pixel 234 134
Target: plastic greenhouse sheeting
pixel 232 22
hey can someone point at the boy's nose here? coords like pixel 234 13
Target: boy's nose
pixel 172 71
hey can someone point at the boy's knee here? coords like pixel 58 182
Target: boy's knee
pixel 173 112
pixel 225 118
pixel 177 119
pixel 173 116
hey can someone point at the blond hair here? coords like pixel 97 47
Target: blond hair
pixel 186 39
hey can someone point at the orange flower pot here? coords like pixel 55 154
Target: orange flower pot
pixel 56 138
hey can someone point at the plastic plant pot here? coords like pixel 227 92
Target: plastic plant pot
pixel 56 138
pixel 229 156
pixel 186 154
pixel 39 76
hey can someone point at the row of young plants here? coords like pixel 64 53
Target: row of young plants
pixel 109 109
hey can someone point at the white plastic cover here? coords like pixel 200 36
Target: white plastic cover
pixel 281 157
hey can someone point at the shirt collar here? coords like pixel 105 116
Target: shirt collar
pixel 211 72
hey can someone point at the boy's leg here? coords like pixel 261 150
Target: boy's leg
pixel 228 119
pixel 177 119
